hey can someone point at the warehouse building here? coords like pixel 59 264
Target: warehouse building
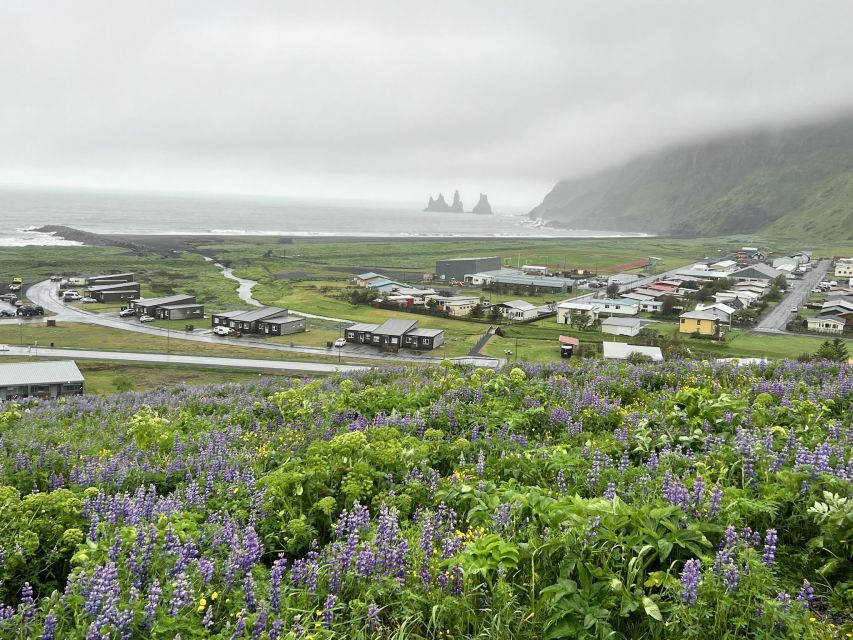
pixel 20 380
pixel 457 268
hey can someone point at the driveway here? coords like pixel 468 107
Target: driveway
pixel 778 317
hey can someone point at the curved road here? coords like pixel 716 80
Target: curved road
pixel 44 294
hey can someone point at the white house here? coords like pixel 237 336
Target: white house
pixel 618 307
pixel 456 306
pixel 724 265
pixel 844 268
pixel 622 351
pixel 826 324
pixel 722 311
pixel 647 304
pixel 518 310
pixel 621 326
pixel 566 310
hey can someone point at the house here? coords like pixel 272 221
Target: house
pixel 424 339
pixel 844 268
pixel 756 272
pixel 263 320
pixel 113 278
pixel 724 312
pixel 189 311
pixel 393 334
pixel 50 379
pixel 758 287
pixel 751 253
pixel 724 265
pixel 664 287
pixel 803 257
pixel 116 292
pixel 364 279
pixel 826 324
pixel 734 299
pixel 622 351
pixel 836 306
pixel 568 309
pixel 705 323
pixel 568 346
pixel 457 268
pixel 456 306
pixel 647 304
pixel 148 306
pixel 282 325
pixel 621 326
pixel 620 307
pixel 517 310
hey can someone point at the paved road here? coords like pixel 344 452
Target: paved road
pixel 162 358
pixel 798 293
pixel 44 294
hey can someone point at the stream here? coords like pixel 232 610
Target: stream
pixel 244 292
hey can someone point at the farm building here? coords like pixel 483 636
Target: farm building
pixel 457 268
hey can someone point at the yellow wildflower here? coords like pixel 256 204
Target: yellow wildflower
pixel 214 595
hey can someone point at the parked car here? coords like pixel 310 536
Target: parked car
pixel 30 310
pixel 221 331
pixel 340 342
pixel 9 297
pixel 71 295
pixel 146 319
pixel 87 300
pixel 124 313
pixel 795 309
pixel 55 278
pixel 5 313
pixel 14 287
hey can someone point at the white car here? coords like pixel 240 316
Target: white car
pixel 340 342
pixel 71 296
pixel 222 331
pixel 146 319
pixel 124 313
pixel 87 300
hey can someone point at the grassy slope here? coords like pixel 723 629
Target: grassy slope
pixel 731 184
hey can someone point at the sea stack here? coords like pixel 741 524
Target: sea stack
pixel 483 207
pixel 438 204
pixel 456 207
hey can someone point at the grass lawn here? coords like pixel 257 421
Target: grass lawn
pixel 67 335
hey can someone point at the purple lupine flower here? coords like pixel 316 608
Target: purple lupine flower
pixel 27 607
pixel 699 487
pixel 715 501
pixel 259 626
pixel 182 594
pixel 372 617
pixel 239 628
pixel 276 574
pixel 481 463
pixel 154 593
pixel 610 492
pixel 561 481
pixel 690 578
pixel 328 611
pixel 49 628
pixel 249 593
pixel 276 629
pixel 501 519
pixel 784 600
pixel 207 620
pixel 769 555
pixel 806 595
pixel 731 577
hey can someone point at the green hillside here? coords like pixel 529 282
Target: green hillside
pixel 785 182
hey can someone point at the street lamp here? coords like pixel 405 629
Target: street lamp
pixel 20 333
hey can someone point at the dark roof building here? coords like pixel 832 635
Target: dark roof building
pixel 112 278
pixel 116 292
pixel 395 333
pixel 458 267
pixel 148 306
pixel 264 320
pixel 189 311
pixel 40 379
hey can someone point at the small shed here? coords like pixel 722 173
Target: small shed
pixel 621 326
pixel 568 346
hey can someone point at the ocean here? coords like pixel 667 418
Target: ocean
pixel 23 210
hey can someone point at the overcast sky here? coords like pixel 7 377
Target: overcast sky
pixel 395 100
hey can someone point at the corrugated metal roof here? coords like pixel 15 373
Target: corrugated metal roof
pixel 53 372
pixel 282 320
pixel 114 285
pixel 426 333
pixel 620 322
pixel 263 313
pixel 363 326
pixel 181 306
pixel 395 327
pixel 159 302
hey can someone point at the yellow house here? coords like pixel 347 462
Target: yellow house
pixel 705 323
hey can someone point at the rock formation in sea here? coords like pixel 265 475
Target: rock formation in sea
pixel 438 204
pixel 483 206
pixel 457 207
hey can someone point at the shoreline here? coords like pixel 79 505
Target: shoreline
pixel 159 243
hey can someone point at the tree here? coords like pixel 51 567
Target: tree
pixel 581 321
pixel 835 351
pixel 781 283
pixel 774 294
pixel 494 313
pixel 668 304
pixel 477 310
pixel 612 289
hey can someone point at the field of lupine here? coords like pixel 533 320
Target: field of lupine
pixel 683 500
